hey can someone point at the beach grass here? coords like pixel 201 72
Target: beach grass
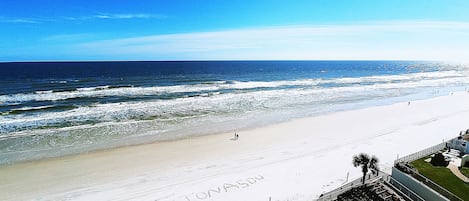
pixel 443 177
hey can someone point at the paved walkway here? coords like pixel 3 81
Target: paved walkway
pixel 455 170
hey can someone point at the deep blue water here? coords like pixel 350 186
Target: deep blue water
pixel 52 109
pixel 30 77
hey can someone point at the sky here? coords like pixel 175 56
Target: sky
pixel 58 30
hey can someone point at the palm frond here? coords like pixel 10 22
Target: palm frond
pixel 356 161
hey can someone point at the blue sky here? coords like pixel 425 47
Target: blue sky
pixel 57 30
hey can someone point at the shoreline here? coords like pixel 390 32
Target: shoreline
pixel 264 160
pixel 221 128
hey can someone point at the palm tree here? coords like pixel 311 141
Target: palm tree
pixel 366 163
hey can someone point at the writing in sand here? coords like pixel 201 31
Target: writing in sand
pixel 215 191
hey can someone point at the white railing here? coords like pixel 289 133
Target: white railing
pixel 404 190
pixel 423 153
pixel 332 195
pixel 424 180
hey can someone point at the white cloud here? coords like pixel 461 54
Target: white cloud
pixel 422 40
pixel 128 16
pixel 18 20
pixel 101 16
pixel 68 37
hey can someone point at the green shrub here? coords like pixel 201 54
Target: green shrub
pixel 439 160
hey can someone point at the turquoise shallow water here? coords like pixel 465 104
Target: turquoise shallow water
pixel 54 109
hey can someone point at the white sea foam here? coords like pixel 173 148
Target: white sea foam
pixel 219 102
pixel 44 92
pixel 59 81
pixel 101 91
pixel 93 88
pixel 402 78
pixel 34 108
pixel 213 102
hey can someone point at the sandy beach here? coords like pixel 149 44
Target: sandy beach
pixel 295 160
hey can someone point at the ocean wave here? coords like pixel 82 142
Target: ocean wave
pixel 24 110
pixel 211 103
pixel 94 88
pixel 50 130
pixel 402 78
pixel 44 92
pixel 59 82
pixel 216 86
pixel 33 108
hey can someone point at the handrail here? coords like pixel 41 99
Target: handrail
pixel 428 182
pixel 409 194
pixel 331 195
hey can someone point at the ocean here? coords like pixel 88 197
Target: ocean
pixel 51 109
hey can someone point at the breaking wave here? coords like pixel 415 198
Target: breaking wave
pixel 78 116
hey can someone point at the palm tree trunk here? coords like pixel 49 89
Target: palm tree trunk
pixel 364 177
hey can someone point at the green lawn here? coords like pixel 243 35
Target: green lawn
pixel 465 171
pixel 443 177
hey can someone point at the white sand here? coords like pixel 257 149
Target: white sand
pixel 296 160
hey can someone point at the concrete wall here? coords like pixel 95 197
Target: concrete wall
pixel 464 159
pixel 416 186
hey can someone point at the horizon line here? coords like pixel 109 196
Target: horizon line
pixel 215 60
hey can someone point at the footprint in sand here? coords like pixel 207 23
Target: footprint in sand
pixel 210 166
